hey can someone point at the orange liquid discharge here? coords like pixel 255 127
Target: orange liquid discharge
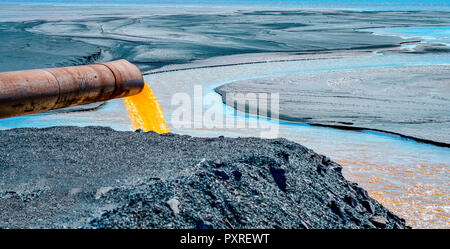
pixel 146 112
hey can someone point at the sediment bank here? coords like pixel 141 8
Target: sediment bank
pixel 400 100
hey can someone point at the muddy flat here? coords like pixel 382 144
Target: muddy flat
pixel 413 101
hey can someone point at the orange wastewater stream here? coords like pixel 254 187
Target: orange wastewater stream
pixel 146 112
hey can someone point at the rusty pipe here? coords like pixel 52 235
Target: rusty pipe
pixel 39 90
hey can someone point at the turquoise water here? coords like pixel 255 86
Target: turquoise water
pixel 434 34
pixel 114 114
pixel 335 4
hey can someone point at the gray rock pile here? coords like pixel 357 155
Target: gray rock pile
pixel 96 177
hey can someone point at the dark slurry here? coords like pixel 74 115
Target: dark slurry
pixel 95 177
pixel 152 37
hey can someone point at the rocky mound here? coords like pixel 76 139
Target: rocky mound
pixel 96 177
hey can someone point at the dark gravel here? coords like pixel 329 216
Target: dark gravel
pixel 95 177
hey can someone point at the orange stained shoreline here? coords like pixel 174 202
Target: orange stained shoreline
pixel 406 199
pixel 146 112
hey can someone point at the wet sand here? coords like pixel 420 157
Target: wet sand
pixel 413 102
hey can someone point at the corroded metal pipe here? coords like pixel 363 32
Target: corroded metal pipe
pixel 39 90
